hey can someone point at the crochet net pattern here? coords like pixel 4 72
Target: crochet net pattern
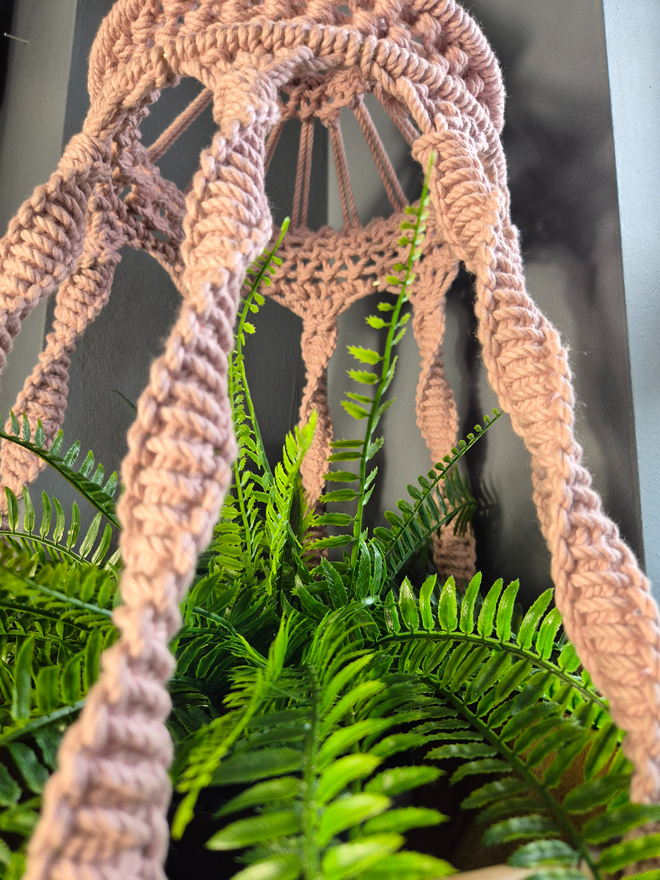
pixel 432 70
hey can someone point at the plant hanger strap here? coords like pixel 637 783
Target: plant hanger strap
pixel 104 809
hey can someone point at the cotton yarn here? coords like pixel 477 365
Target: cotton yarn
pixel 432 70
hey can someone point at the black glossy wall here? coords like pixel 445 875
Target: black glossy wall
pixel 560 151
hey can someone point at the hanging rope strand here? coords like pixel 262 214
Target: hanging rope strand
pixel 301 191
pixel 348 209
pixel 387 173
pixel 162 144
pixel 271 143
pixel 309 123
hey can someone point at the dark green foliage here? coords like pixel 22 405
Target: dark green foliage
pixel 307 731
pixel 525 713
pixel 57 590
pixel 54 623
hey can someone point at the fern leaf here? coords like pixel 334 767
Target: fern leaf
pixel 322 721
pixel 99 497
pixel 544 852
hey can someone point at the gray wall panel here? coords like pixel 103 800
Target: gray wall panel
pixel 633 37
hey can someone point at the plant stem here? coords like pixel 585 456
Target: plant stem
pixel 239 462
pixel 216 618
pixel 38 612
pixel 386 361
pixel 238 361
pixel 387 364
pixel 45 542
pixel 55 594
pixel 38 723
pixel 238 388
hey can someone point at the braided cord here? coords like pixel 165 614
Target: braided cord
pixel 605 601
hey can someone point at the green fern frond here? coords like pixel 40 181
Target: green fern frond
pixel 54 624
pixel 282 494
pixel 526 715
pixel 372 406
pixel 87 480
pixel 240 536
pixel 55 599
pixel 530 753
pixel 468 630
pixel 309 758
pixel 411 529
pixel 259 273
pixel 34 538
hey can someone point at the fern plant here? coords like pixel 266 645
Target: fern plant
pixel 304 683
pixel 523 713
pixel 57 590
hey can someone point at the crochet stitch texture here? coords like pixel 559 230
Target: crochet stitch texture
pixel 431 68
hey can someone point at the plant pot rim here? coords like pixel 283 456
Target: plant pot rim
pixel 498 872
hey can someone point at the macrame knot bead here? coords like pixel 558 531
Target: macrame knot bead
pixel 86 160
pixel 467 204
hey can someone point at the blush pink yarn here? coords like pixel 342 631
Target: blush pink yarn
pixel 433 71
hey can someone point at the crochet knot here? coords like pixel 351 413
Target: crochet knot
pixel 244 98
pixel 468 205
pixel 86 159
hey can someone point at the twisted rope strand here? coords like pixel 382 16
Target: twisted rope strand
pixel 79 300
pixel 176 472
pixel 453 554
pixel 592 568
pixel 186 118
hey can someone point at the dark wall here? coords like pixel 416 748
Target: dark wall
pixel 560 149
pixel 6 21
pixel 559 145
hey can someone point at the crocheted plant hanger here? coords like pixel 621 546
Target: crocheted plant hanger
pixel 431 68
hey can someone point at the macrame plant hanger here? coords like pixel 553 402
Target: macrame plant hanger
pixel 430 67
